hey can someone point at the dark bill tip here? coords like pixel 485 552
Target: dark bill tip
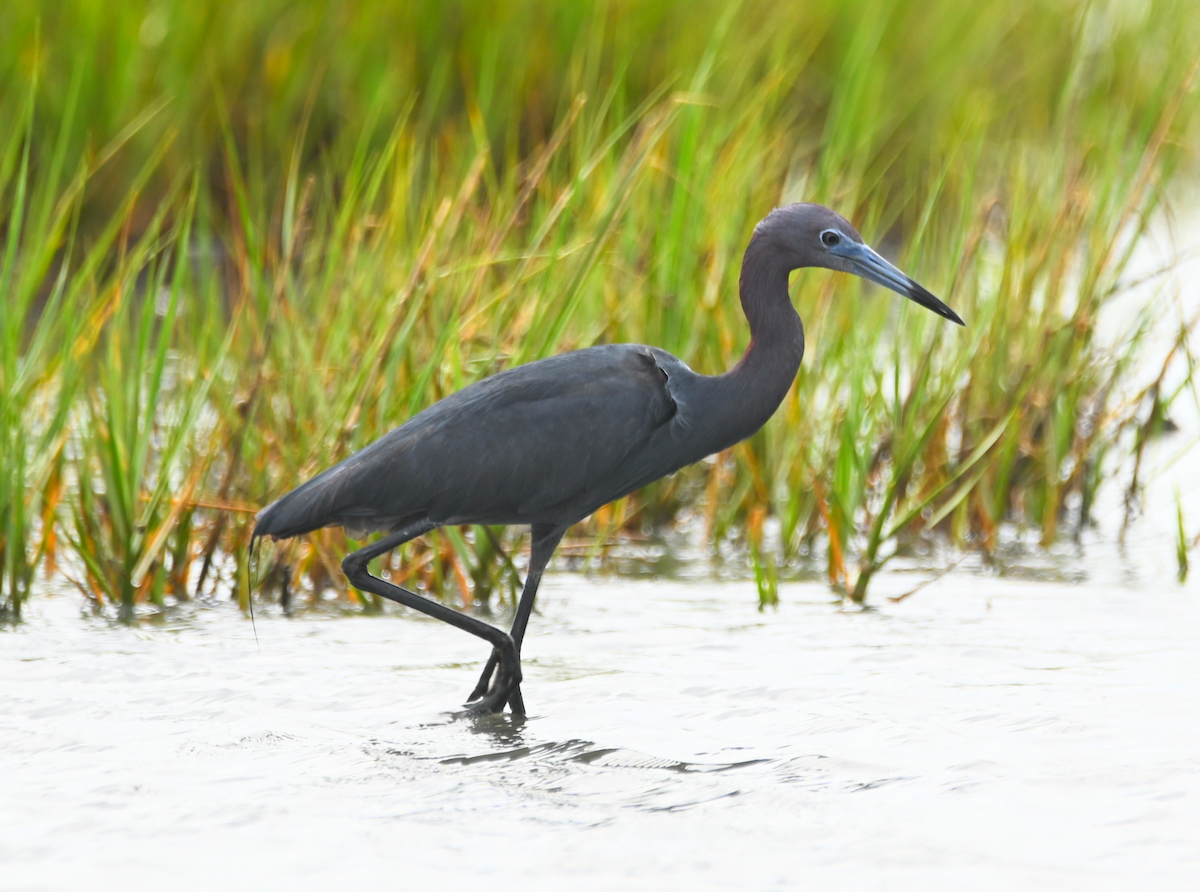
pixel 866 263
pixel 919 295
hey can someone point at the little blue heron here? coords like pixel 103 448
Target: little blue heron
pixel 547 443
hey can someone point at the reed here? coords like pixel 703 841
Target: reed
pixel 271 232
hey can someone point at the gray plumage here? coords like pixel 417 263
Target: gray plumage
pixel 546 444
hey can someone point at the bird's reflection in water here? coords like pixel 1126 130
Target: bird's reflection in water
pixel 502 729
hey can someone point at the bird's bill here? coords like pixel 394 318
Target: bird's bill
pixel 866 263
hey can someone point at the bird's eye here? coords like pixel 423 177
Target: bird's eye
pixel 830 237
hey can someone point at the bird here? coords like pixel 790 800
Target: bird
pixel 546 443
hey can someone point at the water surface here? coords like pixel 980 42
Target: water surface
pixel 985 732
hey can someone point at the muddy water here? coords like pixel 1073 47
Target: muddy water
pixel 983 732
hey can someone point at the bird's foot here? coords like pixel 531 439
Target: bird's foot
pixel 499 684
pixel 485 679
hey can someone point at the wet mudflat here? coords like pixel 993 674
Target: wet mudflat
pixel 985 731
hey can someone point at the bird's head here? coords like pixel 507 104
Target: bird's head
pixel 813 235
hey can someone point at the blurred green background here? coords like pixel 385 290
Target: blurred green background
pixel 240 241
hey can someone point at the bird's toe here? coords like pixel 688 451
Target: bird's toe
pixel 497 689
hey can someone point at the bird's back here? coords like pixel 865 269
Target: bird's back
pixel 542 442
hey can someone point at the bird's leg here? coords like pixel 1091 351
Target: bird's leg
pixel 545 539
pixel 509 675
pixel 485 680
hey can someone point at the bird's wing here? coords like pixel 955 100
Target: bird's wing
pixel 504 450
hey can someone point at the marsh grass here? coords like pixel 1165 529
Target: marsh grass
pixel 306 223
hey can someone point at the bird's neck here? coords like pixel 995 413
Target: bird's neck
pixel 758 383
pixel 763 287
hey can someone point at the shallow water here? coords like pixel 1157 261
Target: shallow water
pixel 983 732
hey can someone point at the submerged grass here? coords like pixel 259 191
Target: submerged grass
pixel 308 221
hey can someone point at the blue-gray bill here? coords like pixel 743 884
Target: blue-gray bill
pixel 868 264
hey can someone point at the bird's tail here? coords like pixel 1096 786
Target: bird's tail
pixel 346 495
pixel 302 510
